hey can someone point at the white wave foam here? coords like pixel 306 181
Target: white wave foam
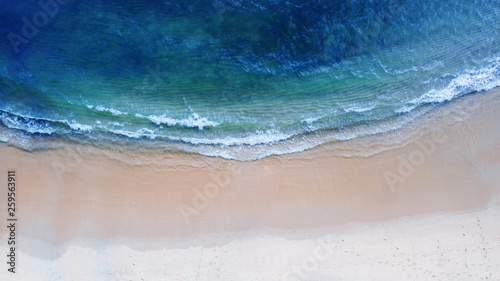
pixel 34 125
pixel 27 124
pixel 310 120
pixel 194 120
pixel 290 144
pixel 3 136
pixel 78 127
pixel 406 108
pixel 358 108
pixel 258 137
pixel 136 135
pixel 473 80
pixel 116 124
pixel 106 109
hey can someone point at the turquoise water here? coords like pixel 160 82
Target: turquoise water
pixel 219 77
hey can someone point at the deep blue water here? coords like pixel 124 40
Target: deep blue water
pixel 219 77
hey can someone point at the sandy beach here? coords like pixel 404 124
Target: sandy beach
pixel 425 208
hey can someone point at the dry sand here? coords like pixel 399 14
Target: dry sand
pixel 444 246
pixel 417 210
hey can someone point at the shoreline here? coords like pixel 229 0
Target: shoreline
pixel 350 141
pixel 446 163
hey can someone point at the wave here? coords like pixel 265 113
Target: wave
pixel 358 108
pixel 105 109
pixel 44 126
pixel 138 134
pixel 265 137
pixel 466 82
pixel 27 124
pixel 194 120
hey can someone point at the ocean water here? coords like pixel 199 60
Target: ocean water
pixel 237 79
